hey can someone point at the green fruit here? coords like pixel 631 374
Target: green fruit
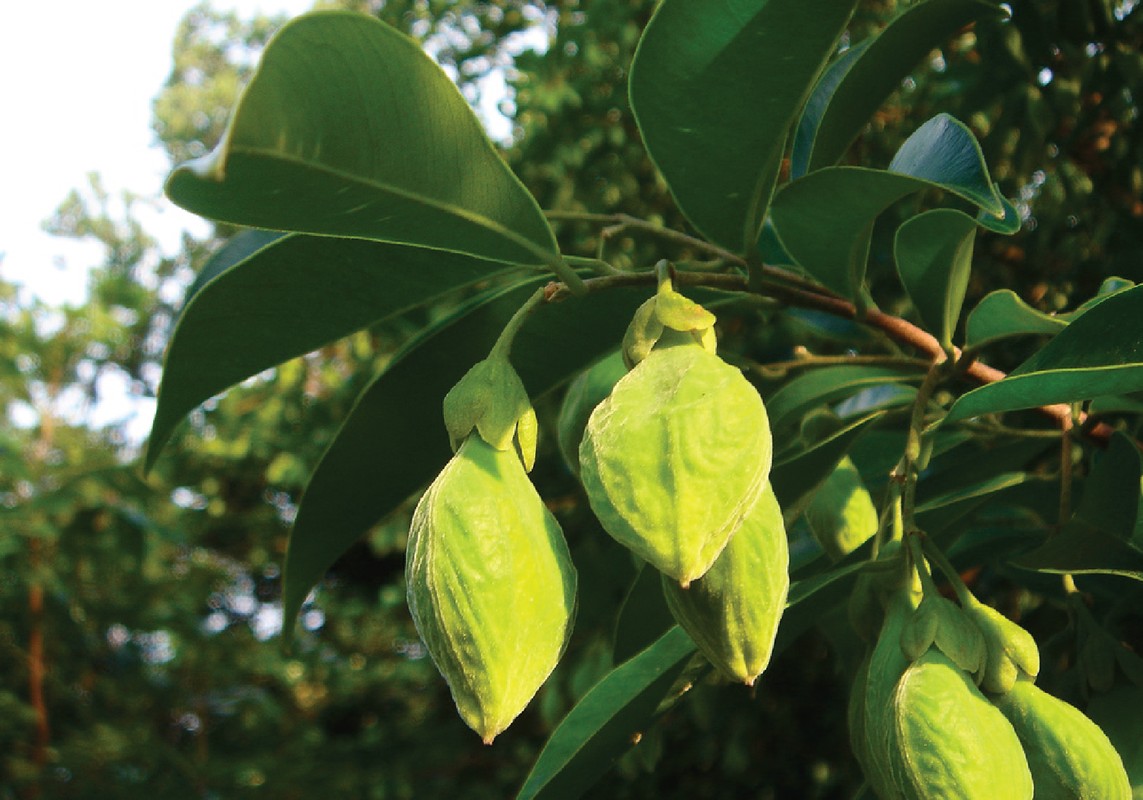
pixel 1070 757
pixel 841 514
pixel 855 717
pixel 1119 712
pixel 1010 651
pixel 586 392
pixel 674 458
pixel 886 665
pixel 732 612
pixel 491 585
pixel 949 741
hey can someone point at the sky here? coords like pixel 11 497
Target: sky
pixel 78 81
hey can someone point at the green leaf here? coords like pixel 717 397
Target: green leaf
pixel 826 385
pixel 1082 549
pixel 349 129
pixel 1002 314
pixel 812 598
pixel 933 251
pixel 287 298
pixel 862 78
pixel 394 440
pixel 1112 497
pixel 817 105
pixel 1099 353
pixel 601 726
pixel 944 152
pixel 798 472
pixel 644 615
pixel 825 219
pixel 717 138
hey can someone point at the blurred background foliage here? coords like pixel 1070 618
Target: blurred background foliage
pixel 138 640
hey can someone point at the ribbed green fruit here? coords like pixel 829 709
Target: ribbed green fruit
pixel 841 514
pixel 949 741
pixel 1070 757
pixel 1119 713
pixel 674 458
pixel 886 665
pixel 732 612
pixel 491 585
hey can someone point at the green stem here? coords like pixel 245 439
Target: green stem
pixel 937 557
pixel 908 468
pixel 1065 473
pixel 503 345
pixel 619 222
pixel 597 264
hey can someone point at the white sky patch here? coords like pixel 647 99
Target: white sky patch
pixel 79 79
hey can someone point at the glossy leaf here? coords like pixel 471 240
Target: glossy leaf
pixel 716 138
pixel 1099 353
pixel 826 385
pixel 287 298
pixel 818 103
pixel 933 251
pixel 348 128
pixel 1002 314
pixel 865 76
pixel 394 440
pixel 601 726
pixel 825 219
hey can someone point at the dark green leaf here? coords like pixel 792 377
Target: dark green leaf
pixel 1111 493
pixel 944 152
pixel 288 298
pixel 863 77
pixel 798 472
pixel 716 138
pixel 394 440
pixel 1082 549
pixel 934 259
pixel 644 615
pixel 827 385
pixel 810 599
pixel 349 129
pixel 825 219
pixel 1002 314
pixel 818 104
pixel 1099 353
pixel 602 725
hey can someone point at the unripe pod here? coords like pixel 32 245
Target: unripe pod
pixel 1119 713
pixel 949 741
pixel 674 458
pixel 732 612
pixel 841 514
pixel 1070 757
pixel 491 585
pixel 886 665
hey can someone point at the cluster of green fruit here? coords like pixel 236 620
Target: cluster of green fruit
pixel 673 448
pixel 945 705
pixel 675 462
